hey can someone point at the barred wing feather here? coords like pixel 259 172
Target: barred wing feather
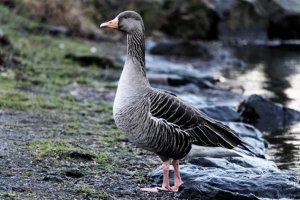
pixel 199 128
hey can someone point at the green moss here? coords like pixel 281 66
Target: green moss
pixel 103 157
pixel 99 194
pixel 103 195
pixel 112 134
pixel 30 195
pixel 18 100
pixel 46 147
pixel 107 140
pixel 142 180
pixel 71 128
pixel 27 174
pixel 8 194
pixel 15 100
pixel 87 190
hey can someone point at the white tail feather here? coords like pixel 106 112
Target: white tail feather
pixel 214 152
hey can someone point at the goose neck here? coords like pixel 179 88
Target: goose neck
pixel 136 50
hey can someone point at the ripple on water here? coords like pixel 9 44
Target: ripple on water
pixel 273 71
pixel 285 147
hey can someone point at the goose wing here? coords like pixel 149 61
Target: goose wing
pixel 197 126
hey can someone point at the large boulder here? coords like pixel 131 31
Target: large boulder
pixel 284 18
pixel 241 20
pixel 192 19
pixel 266 115
pixel 258 19
pixel 233 178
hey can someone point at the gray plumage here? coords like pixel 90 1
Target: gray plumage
pixel 158 120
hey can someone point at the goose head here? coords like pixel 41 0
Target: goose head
pixel 127 21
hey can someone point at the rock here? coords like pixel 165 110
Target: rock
pixel 266 115
pixel 182 48
pixel 4 41
pixel 53 178
pixel 252 136
pixel 74 173
pixel 190 19
pixel 178 80
pixel 222 113
pixel 87 60
pixel 184 92
pixel 80 155
pixel 243 183
pixel 222 7
pixel 235 177
pixel 258 19
pixel 284 18
pixel 235 163
pixel 241 20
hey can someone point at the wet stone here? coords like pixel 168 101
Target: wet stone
pixel 80 155
pixel 222 113
pixel 19 189
pixel 235 177
pixel 74 173
pixel 266 115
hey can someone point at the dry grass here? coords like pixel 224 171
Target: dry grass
pixel 74 14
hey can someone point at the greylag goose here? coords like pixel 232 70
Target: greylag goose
pixel 157 120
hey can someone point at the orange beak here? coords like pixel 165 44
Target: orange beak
pixel 111 24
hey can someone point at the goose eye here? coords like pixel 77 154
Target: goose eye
pixel 125 17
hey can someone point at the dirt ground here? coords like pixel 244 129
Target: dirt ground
pixel 40 160
pixel 58 139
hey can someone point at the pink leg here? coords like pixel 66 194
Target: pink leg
pixel 166 184
pixel 177 178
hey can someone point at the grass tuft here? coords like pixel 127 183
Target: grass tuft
pixel 47 147
pixel 8 194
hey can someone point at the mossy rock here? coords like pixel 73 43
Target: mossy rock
pixel 191 19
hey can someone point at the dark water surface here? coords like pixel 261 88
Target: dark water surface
pixel 273 71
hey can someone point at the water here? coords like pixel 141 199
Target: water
pixel 273 71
